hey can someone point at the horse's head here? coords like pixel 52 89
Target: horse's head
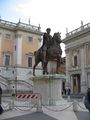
pixel 57 38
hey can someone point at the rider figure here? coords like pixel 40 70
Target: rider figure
pixel 47 41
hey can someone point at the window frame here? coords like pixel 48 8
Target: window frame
pixel 4 62
pixel 8 36
pixel 29 63
pixel 75 60
pixel 29 39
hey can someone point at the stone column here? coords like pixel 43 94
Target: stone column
pixel 19 49
pixel 67 69
pixel 83 78
pixel 71 84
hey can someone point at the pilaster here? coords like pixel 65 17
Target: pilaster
pixel 19 49
pixel 0 46
pixel 83 76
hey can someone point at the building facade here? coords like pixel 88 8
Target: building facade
pixel 18 41
pixel 77 47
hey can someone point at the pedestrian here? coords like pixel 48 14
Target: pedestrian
pixel 68 91
pixel 0 94
pixel 1 109
pixel 62 92
pixel 87 100
pixel 65 91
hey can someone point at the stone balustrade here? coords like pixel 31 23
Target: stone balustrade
pixel 19 25
pixel 78 29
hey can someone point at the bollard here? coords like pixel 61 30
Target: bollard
pixel 89 115
pixel 13 98
pixel 68 98
pixel 39 109
pixel 75 106
pixel 10 105
pixel 83 99
pixel 39 106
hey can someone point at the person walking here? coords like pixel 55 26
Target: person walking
pixel 1 109
pixel 0 94
pixel 68 93
pixel 87 100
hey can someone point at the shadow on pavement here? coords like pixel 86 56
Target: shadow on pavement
pixel 32 116
pixel 81 115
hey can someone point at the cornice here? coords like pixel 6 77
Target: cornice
pixel 20 27
pixel 75 35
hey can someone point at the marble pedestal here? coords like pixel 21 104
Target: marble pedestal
pixel 50 87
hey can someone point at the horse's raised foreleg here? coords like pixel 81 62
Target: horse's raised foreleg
pixel 34 68
pixel 44 65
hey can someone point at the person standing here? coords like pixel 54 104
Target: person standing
pixel 1 109
pixel 0 94
pixel 87 100
pixel 68 91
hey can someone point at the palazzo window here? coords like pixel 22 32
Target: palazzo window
pixel 8 36
pixel 7 60
pixel 88 53
pixel 30 39
pixel 29 61
pixel 75 60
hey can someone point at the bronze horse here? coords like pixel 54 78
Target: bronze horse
pixel 53 52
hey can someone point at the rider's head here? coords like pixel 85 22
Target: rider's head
pixel 48 30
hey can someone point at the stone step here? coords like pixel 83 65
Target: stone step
pixel 76 96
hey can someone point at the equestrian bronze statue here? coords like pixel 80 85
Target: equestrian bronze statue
pixel 50 50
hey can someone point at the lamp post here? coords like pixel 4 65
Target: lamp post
pixel 15 79
pixel 16 85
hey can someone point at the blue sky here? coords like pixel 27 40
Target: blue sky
pixel 8 10
pixel 56 14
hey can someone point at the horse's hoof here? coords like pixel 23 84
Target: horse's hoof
pixel 47 73
pixel 33 74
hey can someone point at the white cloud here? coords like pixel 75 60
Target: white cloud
pixel 57 14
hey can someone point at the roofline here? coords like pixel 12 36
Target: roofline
pixel 20 26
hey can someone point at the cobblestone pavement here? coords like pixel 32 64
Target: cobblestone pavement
pixel 67 115
pixel 82 115
pixel 33 116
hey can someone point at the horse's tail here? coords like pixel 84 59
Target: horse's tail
pixel 36 55
pixel 35 52
pixel 38 52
